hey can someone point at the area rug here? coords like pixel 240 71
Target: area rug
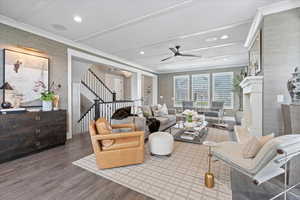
pixel 178 177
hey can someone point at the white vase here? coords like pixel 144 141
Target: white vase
pixel 47 105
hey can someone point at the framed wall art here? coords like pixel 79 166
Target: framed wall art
pixel 255 56
pixel 22 72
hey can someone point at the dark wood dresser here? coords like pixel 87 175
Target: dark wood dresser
pixel 29 132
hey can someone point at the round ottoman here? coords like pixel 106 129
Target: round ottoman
pixel 161 143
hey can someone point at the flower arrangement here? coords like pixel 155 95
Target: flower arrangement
pixel 46 95
pixel 190 114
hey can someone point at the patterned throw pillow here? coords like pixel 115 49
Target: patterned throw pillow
pixel 104 129
pixel 251 148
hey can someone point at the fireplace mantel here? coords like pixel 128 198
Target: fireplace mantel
pixel 252 104
pixel 252 84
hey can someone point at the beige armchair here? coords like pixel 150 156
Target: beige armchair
pixel 116 149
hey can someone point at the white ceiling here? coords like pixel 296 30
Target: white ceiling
pixel 126 27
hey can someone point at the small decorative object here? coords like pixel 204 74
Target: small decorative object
pixel 6 86
pixel 209 178
pixel 293 86
pixel 189 115
pixel 56 102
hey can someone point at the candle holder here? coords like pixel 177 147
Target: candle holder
pixel 209 178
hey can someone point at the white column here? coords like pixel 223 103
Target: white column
pixel 155 90
pixel 136 86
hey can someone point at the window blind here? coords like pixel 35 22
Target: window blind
pixel 222 88
pixel 181 90
pixel 200 90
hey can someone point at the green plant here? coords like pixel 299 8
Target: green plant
pixel 237 88
pixel 47 96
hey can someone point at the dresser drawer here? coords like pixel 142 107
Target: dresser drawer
pixel 26 133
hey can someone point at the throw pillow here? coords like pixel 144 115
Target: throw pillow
pixel 147 112
pixel 157 110
pixel 264 139
pixel 104 129
pixel 164 109
pixel 251 148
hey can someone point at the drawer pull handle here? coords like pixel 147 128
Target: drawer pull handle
pixel 38 130
pixel 37 118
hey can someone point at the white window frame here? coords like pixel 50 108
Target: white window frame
pixel 174 89
pixel 208 78
pixel 213 87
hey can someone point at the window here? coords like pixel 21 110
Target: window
pixel 200 90
pixel 222 88
pixel 181 90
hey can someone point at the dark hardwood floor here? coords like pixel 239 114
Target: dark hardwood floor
pixel 51 175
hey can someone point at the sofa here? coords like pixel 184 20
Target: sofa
pixel 166 121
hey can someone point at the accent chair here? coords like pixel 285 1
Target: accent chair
pixel 116 149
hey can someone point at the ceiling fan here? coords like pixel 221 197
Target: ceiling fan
pixel 177 53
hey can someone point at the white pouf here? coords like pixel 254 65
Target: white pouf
pixel 161 143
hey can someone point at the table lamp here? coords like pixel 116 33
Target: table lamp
pixel 4 87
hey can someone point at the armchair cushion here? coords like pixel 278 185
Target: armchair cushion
pixel 123 143
pixel 104 129
pixel 252 147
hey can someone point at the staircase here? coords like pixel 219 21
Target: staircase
pixel 104 102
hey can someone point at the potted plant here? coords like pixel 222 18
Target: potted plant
pixel 47 98
pixel 239 91
pixel 189 115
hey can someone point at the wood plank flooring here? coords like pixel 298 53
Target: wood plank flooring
pixel 50 175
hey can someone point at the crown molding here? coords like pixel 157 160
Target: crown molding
pixel 37 31
pixel 212 67
pixel 264 11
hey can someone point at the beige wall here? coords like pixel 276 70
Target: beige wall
pixel 165 84
pixel 11 38
pixel 281 53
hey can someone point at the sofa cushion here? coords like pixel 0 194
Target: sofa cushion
pixel 163 120
pixel 123 143
pixel 231 152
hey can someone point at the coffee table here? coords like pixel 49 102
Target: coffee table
pixel 195 132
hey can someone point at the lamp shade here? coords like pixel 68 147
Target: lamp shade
pixel 6 86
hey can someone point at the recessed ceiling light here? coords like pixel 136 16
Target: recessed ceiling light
pixel 211 39
pixel 142 53
pixel 77 19
pixel 224 37
pixel 225 59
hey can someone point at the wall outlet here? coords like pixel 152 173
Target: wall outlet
pixel 280 98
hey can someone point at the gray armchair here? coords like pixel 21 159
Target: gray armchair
pixel 216 110
pixel 187 105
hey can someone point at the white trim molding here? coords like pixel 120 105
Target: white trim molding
pixel 40 32
pixel 264 11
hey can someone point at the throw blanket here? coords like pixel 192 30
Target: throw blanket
pixel 125 112
pixel 153 124
pixel 122 113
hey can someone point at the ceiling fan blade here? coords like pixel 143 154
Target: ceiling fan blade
pixel 166 58
pixel 190 55
pixel 173 50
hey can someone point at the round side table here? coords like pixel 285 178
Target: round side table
pixel 209 176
